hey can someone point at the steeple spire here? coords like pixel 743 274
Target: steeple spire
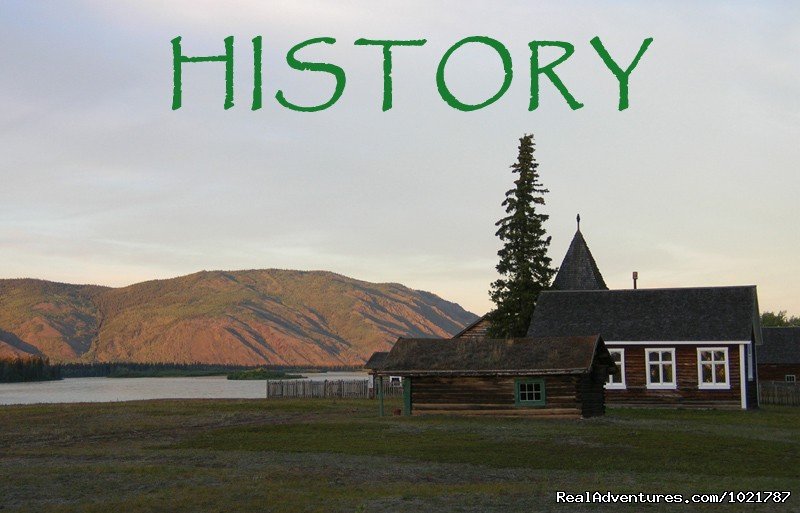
pixel 579 271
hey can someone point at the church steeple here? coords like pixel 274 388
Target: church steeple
pixel 579 271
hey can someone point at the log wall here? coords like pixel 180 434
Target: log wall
pixel 494 395
pixel 687 392
pixel 478 331
pixel 777 372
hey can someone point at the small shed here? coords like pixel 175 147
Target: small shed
pixel 374 362
pixel 557 377
pixel 779 357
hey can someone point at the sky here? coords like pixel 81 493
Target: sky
pixel 695 184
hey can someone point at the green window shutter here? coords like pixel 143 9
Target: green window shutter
pixel 529 393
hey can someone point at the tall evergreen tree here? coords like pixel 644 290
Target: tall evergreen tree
pixel 524 266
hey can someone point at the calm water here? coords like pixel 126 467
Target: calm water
pixel 101 390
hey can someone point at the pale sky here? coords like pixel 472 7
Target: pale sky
pixel 697 183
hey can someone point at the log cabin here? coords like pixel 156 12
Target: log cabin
pixel 532 377
pixel 683 346
pixel 687 347
pixel 779 358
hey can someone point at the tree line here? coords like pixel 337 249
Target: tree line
pixel 779 320
pixel 28 368
pixel 134 369
pixel 38 368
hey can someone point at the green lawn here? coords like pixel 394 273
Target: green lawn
pixel 338 456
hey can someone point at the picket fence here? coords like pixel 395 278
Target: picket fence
pixel 341 389
pixel 775 392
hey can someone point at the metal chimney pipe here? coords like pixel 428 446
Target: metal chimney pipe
pixel 635 277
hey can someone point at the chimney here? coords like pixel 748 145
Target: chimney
pixel 635 277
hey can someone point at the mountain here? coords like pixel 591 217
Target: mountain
pixel 272 316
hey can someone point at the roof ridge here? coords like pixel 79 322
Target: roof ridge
pixel 652 289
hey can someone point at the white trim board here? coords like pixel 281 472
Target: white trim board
pixel 621 385
pixel 742 382
pixel 679 342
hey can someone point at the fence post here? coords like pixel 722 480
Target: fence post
pixel 380 396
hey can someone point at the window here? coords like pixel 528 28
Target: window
pixel 791 378
pixel 712 367
pixel 661 368
pixel 529 392
pixel 617 380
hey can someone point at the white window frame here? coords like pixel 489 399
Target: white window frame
pixel 792 380
pixel 713 386
pixel 622 385
pixel 661 386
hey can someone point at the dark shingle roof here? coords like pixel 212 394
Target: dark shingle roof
pixel 579 271
pixel 376 360
pixel 684 314
pixel 476 329
pixel 781 345
pixel 489 356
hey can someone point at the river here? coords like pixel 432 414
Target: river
pixel 103 390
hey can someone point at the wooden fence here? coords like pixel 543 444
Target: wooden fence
pixel 776 392
pixel 352 389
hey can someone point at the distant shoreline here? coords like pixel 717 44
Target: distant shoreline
pixel 178 370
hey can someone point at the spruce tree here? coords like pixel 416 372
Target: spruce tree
pixel 524 266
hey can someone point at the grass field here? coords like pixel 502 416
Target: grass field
pixel 326 456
